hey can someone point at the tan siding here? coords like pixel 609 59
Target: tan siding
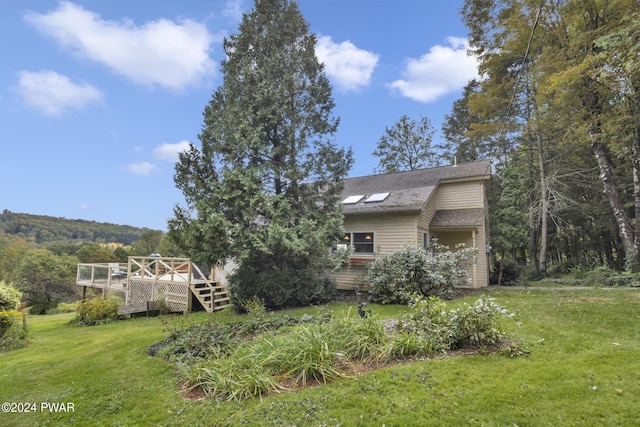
pixel 460 195
pixel 425 218
pixel 391 232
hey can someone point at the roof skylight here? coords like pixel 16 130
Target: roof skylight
pixel 377 197
pixel 351 200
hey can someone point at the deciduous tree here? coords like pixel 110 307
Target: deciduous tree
pixel 406 146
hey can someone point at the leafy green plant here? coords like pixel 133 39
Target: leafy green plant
pixel 97 311
pixel 478 325
pixel 204 340
pixel 254 306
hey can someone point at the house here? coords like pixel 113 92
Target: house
pixel 384 212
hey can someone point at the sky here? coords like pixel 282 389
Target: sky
pixel 97 98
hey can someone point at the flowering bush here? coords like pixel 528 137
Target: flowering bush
pixel 415 270
pixel 12 330
pixel 9 297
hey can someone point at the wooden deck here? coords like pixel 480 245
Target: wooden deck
pixel 177 281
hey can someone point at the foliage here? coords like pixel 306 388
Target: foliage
pixel 228 366
pixel 97 311
pixel 478 325
pixel 148 243
pixel 46 279
pixel 94 253
pixel 461 144
pixel 13 334
pixel 560 93
pixel 65 307
pixel 507 272
pixel 430 327
pixel 264 187
pixel 406 146
pixel 10 297
pixel 199 341
pixel 413 269
pixel 44 229
pixel 278 287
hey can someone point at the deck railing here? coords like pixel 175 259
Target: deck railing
pixel 108 276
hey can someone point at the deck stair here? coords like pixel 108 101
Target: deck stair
pixel 212 296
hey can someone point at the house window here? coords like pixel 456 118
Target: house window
pixel 359 242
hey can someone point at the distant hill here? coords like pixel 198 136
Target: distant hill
pixel 43 229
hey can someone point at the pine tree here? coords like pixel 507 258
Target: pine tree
pixel 264 187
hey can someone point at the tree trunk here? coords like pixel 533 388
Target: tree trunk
pixel 544 211
pixel 611 191
pixel 636 192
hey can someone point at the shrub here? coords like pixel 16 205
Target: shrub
pixel 291 286
pixel 478 325
pixel 10 297
pixel 414 270
pixel 97 311
pixel 430 327
pixel 66 307
pixel 13 334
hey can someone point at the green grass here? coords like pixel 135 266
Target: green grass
pixel 584 371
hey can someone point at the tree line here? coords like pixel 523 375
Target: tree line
pixel 558 108
pixel 46 229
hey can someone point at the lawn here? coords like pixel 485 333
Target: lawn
pixel 584 369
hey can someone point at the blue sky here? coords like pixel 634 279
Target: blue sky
pixel 98 97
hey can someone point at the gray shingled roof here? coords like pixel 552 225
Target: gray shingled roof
pixel 458 218
pixel 408 190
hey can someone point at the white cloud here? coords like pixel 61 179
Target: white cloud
pixel 165 53
pixel 443 70
pixel 349 67
pixel 233 9
pixel 170 152
pixel 54 93
pixel 141 168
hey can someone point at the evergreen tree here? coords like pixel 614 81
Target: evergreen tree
pixel 264 187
